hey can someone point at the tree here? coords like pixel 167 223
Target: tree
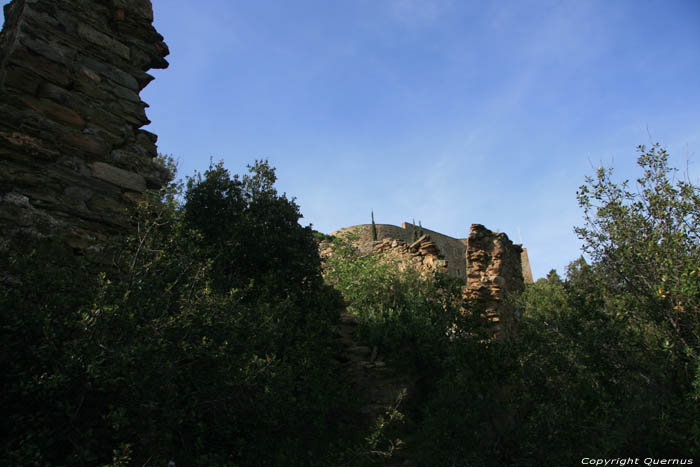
pixel 374 229
pixel 251 232
pixel 206 342
pixel 646 243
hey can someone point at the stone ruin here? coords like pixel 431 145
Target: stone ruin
pixel 73 156
pixel 492 266
pixel 421 254
pixel 495 270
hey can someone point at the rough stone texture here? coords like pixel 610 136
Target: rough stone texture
pixel 72 155
pixel 422 254
pixel 451 249
pixel 492 266
pixel 494 270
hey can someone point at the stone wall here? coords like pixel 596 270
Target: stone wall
pixel 363 232
pixel 494 271
pixel 451 249
pixel 422 254
pixel 72 155
pixel 492 265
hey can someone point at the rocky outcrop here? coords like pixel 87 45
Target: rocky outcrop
pixel 72 155
pixel 494 271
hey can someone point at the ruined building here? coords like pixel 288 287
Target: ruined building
pixel 490 263
pixel 73 156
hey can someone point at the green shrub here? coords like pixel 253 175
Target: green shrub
pixel 406 314
pixel 161 358
pixel 604 362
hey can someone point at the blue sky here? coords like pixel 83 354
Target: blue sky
pixel 445 111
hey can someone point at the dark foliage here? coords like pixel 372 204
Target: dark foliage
pixel 207 342
pixel 604 363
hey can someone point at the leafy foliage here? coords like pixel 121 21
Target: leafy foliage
pixel 251 233
pixel 165 356
pixel 207 339
pixel 647 243
pixel 400 310
pixel 605 361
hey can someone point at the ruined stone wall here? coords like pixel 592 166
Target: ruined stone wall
pixel 364 242
pixel 451 249
pixel 493 266
pixel 422 254
pixel 72 155
pixel 494 271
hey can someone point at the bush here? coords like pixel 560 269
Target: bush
pixel 162 358
pixel 251 233
pixel 405 313
pixel 604 362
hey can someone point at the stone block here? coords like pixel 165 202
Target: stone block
pixel 141 8
pixel 64 97
pixel 105 204
pixel 119 177
pixel 103 40
pixel 22 79
pixel 30 144
pixel 84 143
pixel 102 134
pixel 111 72
pixel 90 74
pixel 145 142
pixel 125 93
pixel 50 50
pixel 48 70
pixel 55 111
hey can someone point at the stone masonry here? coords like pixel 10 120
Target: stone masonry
pixel 491 265
pixel 494 271
pixel 73 156
pixel 422 254
pixel 451 249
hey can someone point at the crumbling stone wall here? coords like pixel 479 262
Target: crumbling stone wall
pixel 363 232
pixel 73 156
pixel 493 266
pixel 422 254
pixel 451 249
pixel 494 271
